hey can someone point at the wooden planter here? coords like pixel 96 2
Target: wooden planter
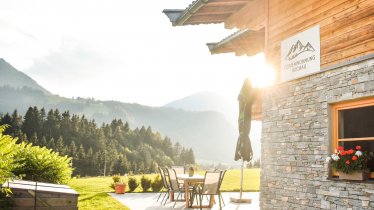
pixel 357 175
pixel 120 188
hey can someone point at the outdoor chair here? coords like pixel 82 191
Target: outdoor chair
pixel 179 170
pixel 165 185
pixel 174 186
pixel 219 188
pixel 167 179
pixel 210 186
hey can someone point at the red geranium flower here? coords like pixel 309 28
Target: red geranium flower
pixel 350 152
pixel 358 147
pixel 354 157
pixel 340 148
pixel 347 162
pixel 343 152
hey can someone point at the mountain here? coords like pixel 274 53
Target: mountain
pixel 210 101
pixel 9 76
pixel 208 133
pixel 298 48
pixel 207 101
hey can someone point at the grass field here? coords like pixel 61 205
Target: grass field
pixel 93 191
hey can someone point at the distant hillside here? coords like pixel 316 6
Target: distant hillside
pixel 207 101
pixel 9 76
pixel 208 133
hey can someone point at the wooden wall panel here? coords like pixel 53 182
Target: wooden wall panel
pixel 347 27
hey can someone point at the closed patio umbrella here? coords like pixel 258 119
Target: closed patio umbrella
pixel 243 147
pixel 246 98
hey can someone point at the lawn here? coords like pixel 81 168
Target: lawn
pixel 93 191
pixel 93 194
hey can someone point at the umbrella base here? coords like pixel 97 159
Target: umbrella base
pixel 240 200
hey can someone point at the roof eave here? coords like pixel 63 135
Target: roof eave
pixel 179 16
pixel 216 48
pixel 213 46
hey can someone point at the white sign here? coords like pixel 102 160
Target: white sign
pixel 300 54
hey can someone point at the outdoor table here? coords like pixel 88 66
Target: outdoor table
pixel 190 181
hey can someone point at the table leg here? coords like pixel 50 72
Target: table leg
pixel 186 194
pixel 171 196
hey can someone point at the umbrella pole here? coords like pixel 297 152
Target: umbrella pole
pixel 241 199
pixel 241 180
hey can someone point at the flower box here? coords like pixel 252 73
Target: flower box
pixel 351 164
pixel 356 175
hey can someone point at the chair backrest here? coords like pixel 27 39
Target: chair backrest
pixel 166 185
pixel 221 180
pixel 211 183
pixel 179 169
pixel 173 180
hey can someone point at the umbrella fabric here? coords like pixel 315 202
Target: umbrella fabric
pixel 246 98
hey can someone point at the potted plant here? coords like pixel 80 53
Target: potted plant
pixel 118 184
pixel 351 164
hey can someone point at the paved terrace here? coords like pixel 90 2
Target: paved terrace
pixel 147 201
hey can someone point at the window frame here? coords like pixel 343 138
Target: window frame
pixel 358 103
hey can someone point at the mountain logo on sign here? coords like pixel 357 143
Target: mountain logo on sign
pixel 297 49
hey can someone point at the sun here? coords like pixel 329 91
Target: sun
pixel 261 74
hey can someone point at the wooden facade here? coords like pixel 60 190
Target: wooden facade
pixel 346 27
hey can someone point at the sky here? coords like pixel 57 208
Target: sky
pixel 118 50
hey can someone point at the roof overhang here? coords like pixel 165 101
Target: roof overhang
pixel 243 42
pixel 205 11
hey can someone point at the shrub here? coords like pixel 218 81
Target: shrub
pixel 42 164
pixel 145 182
pixel 133 184
pixel 117 179
pixel 157 184
pixel 8 148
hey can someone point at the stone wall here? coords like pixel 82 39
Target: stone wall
pixel 295 141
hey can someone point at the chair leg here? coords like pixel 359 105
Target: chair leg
pixel 220 207
pixel 201 201
pixel 163 197
pixel 158 197
pixel 220 195
pixel 166 198
pixel 176 199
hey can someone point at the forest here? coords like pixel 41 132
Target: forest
pixel 111 148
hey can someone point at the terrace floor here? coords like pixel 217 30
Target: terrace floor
pixel 147 201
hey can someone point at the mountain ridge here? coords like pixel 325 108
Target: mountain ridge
pixel 198 130
pixel 10 76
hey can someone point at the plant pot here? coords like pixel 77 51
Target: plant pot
pixel 120 188
pixel 191 171
pixel 356 175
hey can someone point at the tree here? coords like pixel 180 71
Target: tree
pixel 72 150
pixel 34 139
pixel 59 146
pixel 7 120
pixel 43 142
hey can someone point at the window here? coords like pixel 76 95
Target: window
pixel 353 124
